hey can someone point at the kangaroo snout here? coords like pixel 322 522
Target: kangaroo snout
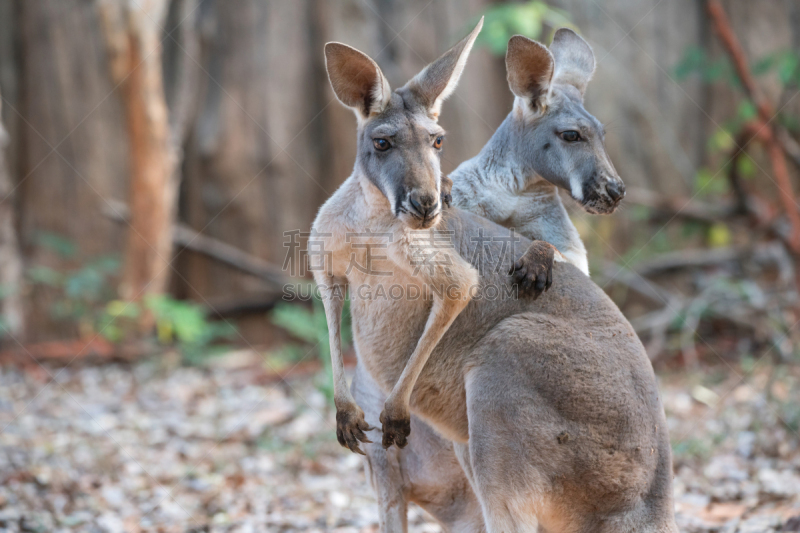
pixel 424 204
pixel 615 189
pixel 602 195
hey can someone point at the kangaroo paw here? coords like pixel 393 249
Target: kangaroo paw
pixel 395 429
pixel 447 187
pixel 533 272
pixel 350 428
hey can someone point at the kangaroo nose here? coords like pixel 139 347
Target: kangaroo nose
pixel 424 204
pixel 615 189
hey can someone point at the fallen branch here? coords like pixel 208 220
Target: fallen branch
pixel 190 239
pixel 230 255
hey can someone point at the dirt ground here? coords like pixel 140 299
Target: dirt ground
pixel 163 447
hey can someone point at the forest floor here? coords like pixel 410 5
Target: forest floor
pixel 157 446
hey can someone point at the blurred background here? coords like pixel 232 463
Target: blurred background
pixel 161 159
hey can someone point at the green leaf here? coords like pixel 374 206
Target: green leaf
pixel 719 235
pixel 297 320
pixel 746 111
pixel 721 140
pixel 501 21
pixel 710 183
pixel 123 309
pixel 765 64
pixel 43 275
pixel 694 60
pixel 787 68
pixel 58 243
pixel 746 166
pixel 185 323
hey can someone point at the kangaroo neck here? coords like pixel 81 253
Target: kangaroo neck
pixel 497 164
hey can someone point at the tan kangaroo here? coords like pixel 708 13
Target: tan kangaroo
pixel 514 184
pixel 551 403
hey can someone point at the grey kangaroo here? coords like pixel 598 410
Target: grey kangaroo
pixel 548 140
pixel 550 402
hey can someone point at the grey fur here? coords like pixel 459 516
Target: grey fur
pixel 551 403
pixel 514 180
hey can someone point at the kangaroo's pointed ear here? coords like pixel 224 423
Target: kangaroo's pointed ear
pixel 530 70
pixel 438 80
pixel 574 59
pixel 356 79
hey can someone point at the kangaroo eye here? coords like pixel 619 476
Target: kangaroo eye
pixel 438 142
pixel 381 145
pixel 570 136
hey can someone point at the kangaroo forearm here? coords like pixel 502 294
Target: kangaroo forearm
pixel 441 318
pixel 333 301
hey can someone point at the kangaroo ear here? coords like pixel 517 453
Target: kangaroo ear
pixel 530 69
pixel 438 80
pixel 356 79
pixel 574 59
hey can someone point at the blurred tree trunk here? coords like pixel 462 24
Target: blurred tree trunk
pixel 133 33
pixel 11 310
pixel 71 153
pixel 253 158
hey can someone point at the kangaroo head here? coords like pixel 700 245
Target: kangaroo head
pixel 399 140
pixel 555 137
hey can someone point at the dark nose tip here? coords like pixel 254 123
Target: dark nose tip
pixel 424 204
pixel 616 190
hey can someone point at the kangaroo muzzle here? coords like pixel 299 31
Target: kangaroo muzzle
pixel 424 207
pixel 603 196
pixel 615 189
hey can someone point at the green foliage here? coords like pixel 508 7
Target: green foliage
pixel 696 61
pixel 719 235
pixel 311 327
pixel 55 242
pixel 785 64
pixel 86 296
pixel 185 325
pixel 83 291
pixel 710 183
pixel 502 21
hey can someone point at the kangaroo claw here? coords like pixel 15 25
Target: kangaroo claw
pixel 533 272
pixel 395 430
pixel 350 428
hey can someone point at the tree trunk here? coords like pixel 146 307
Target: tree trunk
pixel 133 32
pixel 69 149
pixel 11 311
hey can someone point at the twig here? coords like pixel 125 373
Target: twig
pixel 766 114
pixel 680 207
pixel 683 259
pixel 636 282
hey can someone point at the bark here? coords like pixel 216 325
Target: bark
pixel 11 309
pixel 69 149
pixel 133 34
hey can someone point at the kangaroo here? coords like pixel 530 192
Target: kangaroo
pixel 514 184
pixel 548 141
pixel 550 402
